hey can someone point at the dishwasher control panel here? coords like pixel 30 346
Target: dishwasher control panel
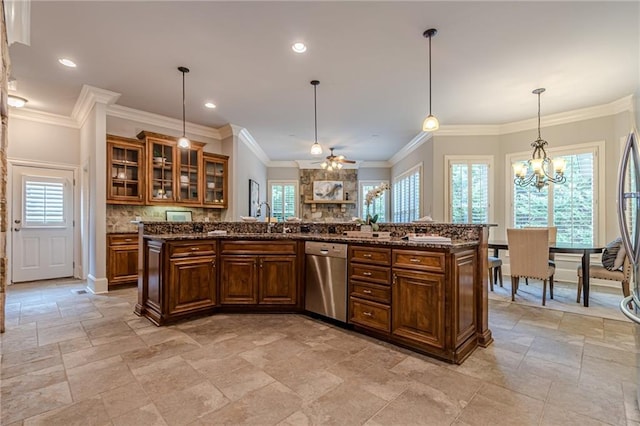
pixel 326 249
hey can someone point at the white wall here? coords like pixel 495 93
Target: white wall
pixel 283 173
pixel 249 166
pixel 422 154
pixel 31 140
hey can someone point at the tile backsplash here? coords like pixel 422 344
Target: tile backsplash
pixel 119 217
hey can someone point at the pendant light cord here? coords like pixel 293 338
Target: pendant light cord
pixel 315 113
pixel 429 75
pixel 184 133
pixel 539 137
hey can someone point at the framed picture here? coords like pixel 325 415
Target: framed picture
pixel 254 197
pixel 179 216
pixel 327 190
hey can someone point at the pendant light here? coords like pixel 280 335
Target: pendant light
pixel 316 149
pixel 430 123
pixel 183 142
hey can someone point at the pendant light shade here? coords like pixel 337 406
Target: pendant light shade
pixel 316 149
pixel 430 124
pixel 183 142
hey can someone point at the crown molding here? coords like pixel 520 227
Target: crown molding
pixel 251 143
pixel 413 144
pixel 469 129
pixel 375 164
pixel 89 96
pixel 229 130
pixel 43 117
pixel 127 113
pixel 283 164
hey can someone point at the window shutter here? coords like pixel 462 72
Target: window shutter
pixel 44 203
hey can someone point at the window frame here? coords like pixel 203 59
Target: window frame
pixel 449 160
pixel 412 170
pixel 385 195
pixel 599 175
pixel 285 182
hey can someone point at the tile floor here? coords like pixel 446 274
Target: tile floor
pixel 81 359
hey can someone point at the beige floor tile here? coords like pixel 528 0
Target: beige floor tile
pixel 143 416
pixel 554 416
pixel 265 406
pixel 86 412
pixel 29 360
pixel 98 376
pixel 580 324
pixel 549 369
pixel 589 400
pixel 170 348
pixel 96 353
pixel 13 387
pixel 494 405
pixel 311 384
pixel 109 332
pixel 123 399
pixel 237 383
pixel 631 408
pixel 185 406
pixel 74 344
pixel 165 376
pixel 60 333
pixel 34 402
pixel 569 354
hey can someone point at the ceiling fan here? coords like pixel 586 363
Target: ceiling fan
pixel 335 161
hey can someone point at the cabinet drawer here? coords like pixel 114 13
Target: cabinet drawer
pixel 123 239
pixel 420 260
pixel 258 247
pixel 193 249
pixel 377 293
pixel 370 314
pixel 377 255
pixel 373 274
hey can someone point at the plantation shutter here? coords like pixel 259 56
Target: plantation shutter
pixel 43 203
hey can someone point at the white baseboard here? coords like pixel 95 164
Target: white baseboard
pixel 97 285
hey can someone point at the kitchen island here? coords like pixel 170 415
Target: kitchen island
pixel 429 297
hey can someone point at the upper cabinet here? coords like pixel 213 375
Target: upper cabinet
pixel 214 183
pixel 125 171
pixel 154 170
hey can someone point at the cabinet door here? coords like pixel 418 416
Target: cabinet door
pixel 192 284
pixel 122 264
pixel 215 181
pixel 125 171
pixel 239 280
pixel 161 161
pixel 418 307
pixel 278 283
pixel 189 183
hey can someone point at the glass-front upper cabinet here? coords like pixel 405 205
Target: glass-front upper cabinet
pixel 125 171
pixel 215 180
pixel 189 174
pixel 161 157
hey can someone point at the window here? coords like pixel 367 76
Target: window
pixel 406 195
pixel 572 206
pixel 378 206
pixel 43 202
pixel 468 195
pixel 283 198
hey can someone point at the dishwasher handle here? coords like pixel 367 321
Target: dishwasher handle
pixel 324 251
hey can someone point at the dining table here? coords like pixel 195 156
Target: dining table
pixel 557 247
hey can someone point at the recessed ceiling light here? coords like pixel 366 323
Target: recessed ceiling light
pixel 67 62
pixel 210 105
pixel 299 47
pixel 16 101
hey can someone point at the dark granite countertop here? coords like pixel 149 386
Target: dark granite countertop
pixel 334 238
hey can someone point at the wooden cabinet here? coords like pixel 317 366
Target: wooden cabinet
pixel 262 273
pixel 125 171
pixel 369 287
pixel 174 175
pixel 215 178
pixel 192 274
pixel 122 259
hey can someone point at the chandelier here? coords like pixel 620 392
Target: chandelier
pixel 540 170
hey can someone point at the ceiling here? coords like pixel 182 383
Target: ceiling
pixel 370 58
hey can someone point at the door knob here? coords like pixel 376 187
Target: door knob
pixel 16 229
pixel 16 221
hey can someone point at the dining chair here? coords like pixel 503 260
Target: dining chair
pixel 529 258
pixel 553 233
pixel 600 272
pixel 494 266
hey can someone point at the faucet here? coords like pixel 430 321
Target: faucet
pixel 259 213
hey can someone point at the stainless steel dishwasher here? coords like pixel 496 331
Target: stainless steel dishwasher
pixel 326 279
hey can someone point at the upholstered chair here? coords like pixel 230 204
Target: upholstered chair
pixel 600 272
pixel 529 258
pixel 494 266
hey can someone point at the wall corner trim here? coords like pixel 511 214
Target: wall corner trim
pixel 89 96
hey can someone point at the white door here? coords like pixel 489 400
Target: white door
pixel 41 223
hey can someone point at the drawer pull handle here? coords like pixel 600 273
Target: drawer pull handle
pixel 366 291
pixel 367 314
pixel 195 248
pixel 414 260
pixel 128 239
pixel 366 274
pixel 367 255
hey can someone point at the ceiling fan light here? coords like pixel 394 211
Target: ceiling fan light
pixel 339 165
pixel 16 101
pixel 316 149
pixel 430 124
pixel 324 165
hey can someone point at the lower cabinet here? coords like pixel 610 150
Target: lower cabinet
pixel 277 283
pixel 122 259
pixel 238 280
pixel 193 284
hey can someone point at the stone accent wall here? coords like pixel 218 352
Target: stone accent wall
pixel 119 216
pixel 4 115
pixel 328 212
